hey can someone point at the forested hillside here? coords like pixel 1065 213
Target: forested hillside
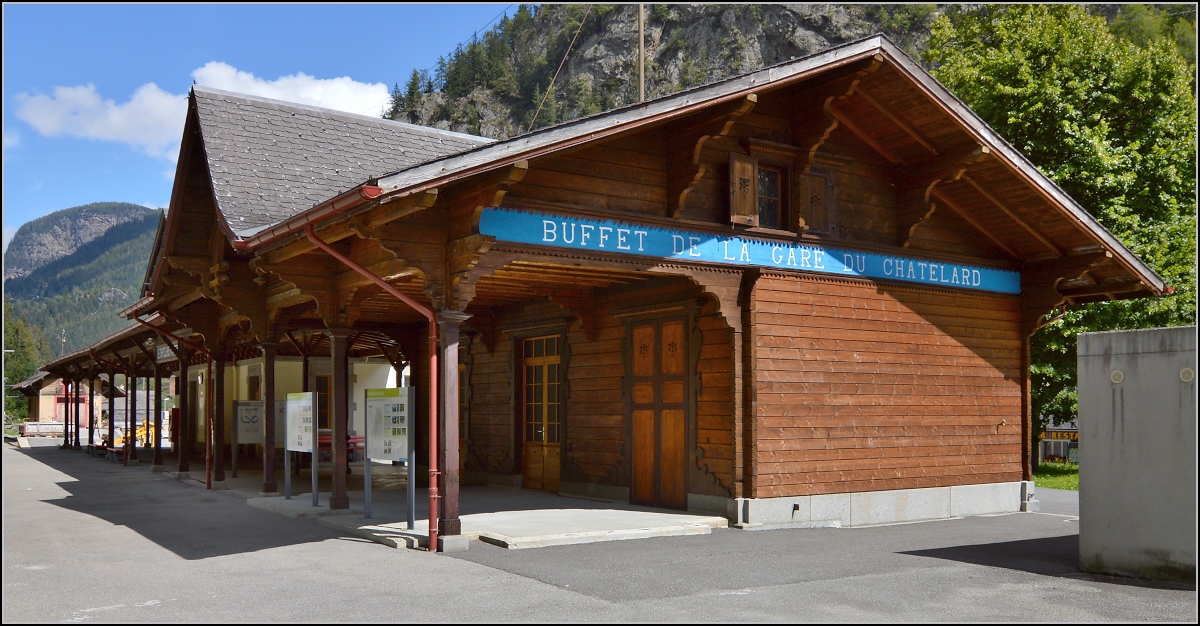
pixel 495 84
pixel 78 296
pixel 58 234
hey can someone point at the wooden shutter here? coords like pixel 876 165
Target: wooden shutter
pixel 743 189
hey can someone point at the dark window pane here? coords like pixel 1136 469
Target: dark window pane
pixel 769 197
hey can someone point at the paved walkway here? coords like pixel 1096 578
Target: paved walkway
pixel 90 541
pixel 505 517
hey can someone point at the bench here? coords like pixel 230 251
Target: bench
pixel 115 454
pixel 94 449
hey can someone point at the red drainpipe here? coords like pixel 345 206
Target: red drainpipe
pixel 208 397
pixel 336 206
pixel 433 371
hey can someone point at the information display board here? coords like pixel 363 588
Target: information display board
pixel 300 432
pixel 387 424
pixel 250 427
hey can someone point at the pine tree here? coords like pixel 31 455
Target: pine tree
pixel 412 95
pixel 395 104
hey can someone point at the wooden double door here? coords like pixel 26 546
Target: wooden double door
pixel 659 413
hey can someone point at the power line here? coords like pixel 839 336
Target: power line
pixel 560 66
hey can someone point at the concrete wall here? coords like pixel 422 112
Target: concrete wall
pixel 1137 452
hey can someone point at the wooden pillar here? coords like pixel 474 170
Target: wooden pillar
pixel 449 323
pixel 128 410
pixel 269 483
pixel 66 414
pixel 339 352
pixel 305 387
pixel 75 402
pixel 182 445
pixel 112 406
pixel 218 417
pixel 92 409
pixel 131 434
pixel 157 463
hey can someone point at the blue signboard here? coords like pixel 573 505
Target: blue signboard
pixel 578 233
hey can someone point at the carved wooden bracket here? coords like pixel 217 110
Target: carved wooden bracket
pixel 1040 283
pixel 718 129
pixel 917 188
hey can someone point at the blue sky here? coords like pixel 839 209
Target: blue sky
pixel 94 95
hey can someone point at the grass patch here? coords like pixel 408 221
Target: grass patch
pixel 1057 476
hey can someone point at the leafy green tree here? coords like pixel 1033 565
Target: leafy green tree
pixel 1114 125
pixel 1145 24
pixel 29 350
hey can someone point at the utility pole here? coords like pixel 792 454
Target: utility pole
pixel 641 53
pixel 62 347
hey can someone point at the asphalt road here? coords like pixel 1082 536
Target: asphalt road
pixel 88 541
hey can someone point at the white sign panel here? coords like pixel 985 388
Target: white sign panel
pixel 249 421
pixel 387 424
pixel 300 422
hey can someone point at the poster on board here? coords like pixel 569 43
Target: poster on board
pixel 387 424
pixel 249 421
pixel 300 422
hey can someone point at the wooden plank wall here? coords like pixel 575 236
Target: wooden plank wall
pixel 491 415
pixel 595 424
pixel 865 388
pixel 864 197
pixel 626 174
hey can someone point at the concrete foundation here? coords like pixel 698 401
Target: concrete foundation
pixel 873 507
pixel 1137 453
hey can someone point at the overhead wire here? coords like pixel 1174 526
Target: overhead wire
pixel 560 66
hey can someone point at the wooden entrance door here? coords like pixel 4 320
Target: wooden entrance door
pixel 541 378
pixel 659 413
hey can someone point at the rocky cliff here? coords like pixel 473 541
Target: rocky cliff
pixel 494 85
pixel 58 235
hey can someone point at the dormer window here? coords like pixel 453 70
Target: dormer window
pixel 761 187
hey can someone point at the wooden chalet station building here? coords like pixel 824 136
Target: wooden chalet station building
pixel 801 296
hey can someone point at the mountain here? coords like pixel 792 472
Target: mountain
pixel 77 294
pixel 495 84
pixel 61 233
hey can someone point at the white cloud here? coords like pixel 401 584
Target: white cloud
pixel 12 139
pixel 9 231
pixel 151 121
pixel 342 94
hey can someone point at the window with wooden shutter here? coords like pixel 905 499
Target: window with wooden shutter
pixel 817 205
pixel 743 189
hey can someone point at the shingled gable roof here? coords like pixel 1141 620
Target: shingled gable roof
pixel 490 157
pixel 270 160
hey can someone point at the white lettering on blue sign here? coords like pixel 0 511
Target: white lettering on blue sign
pixel 651 241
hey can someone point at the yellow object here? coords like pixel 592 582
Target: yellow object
pixel 144 432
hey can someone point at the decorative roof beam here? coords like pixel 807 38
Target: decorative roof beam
pixel 841 116
pixel 1016 218
pixel 912 132
pixel 966 215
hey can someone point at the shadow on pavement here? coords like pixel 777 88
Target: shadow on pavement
pixel 190 521
pixel 1048 556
